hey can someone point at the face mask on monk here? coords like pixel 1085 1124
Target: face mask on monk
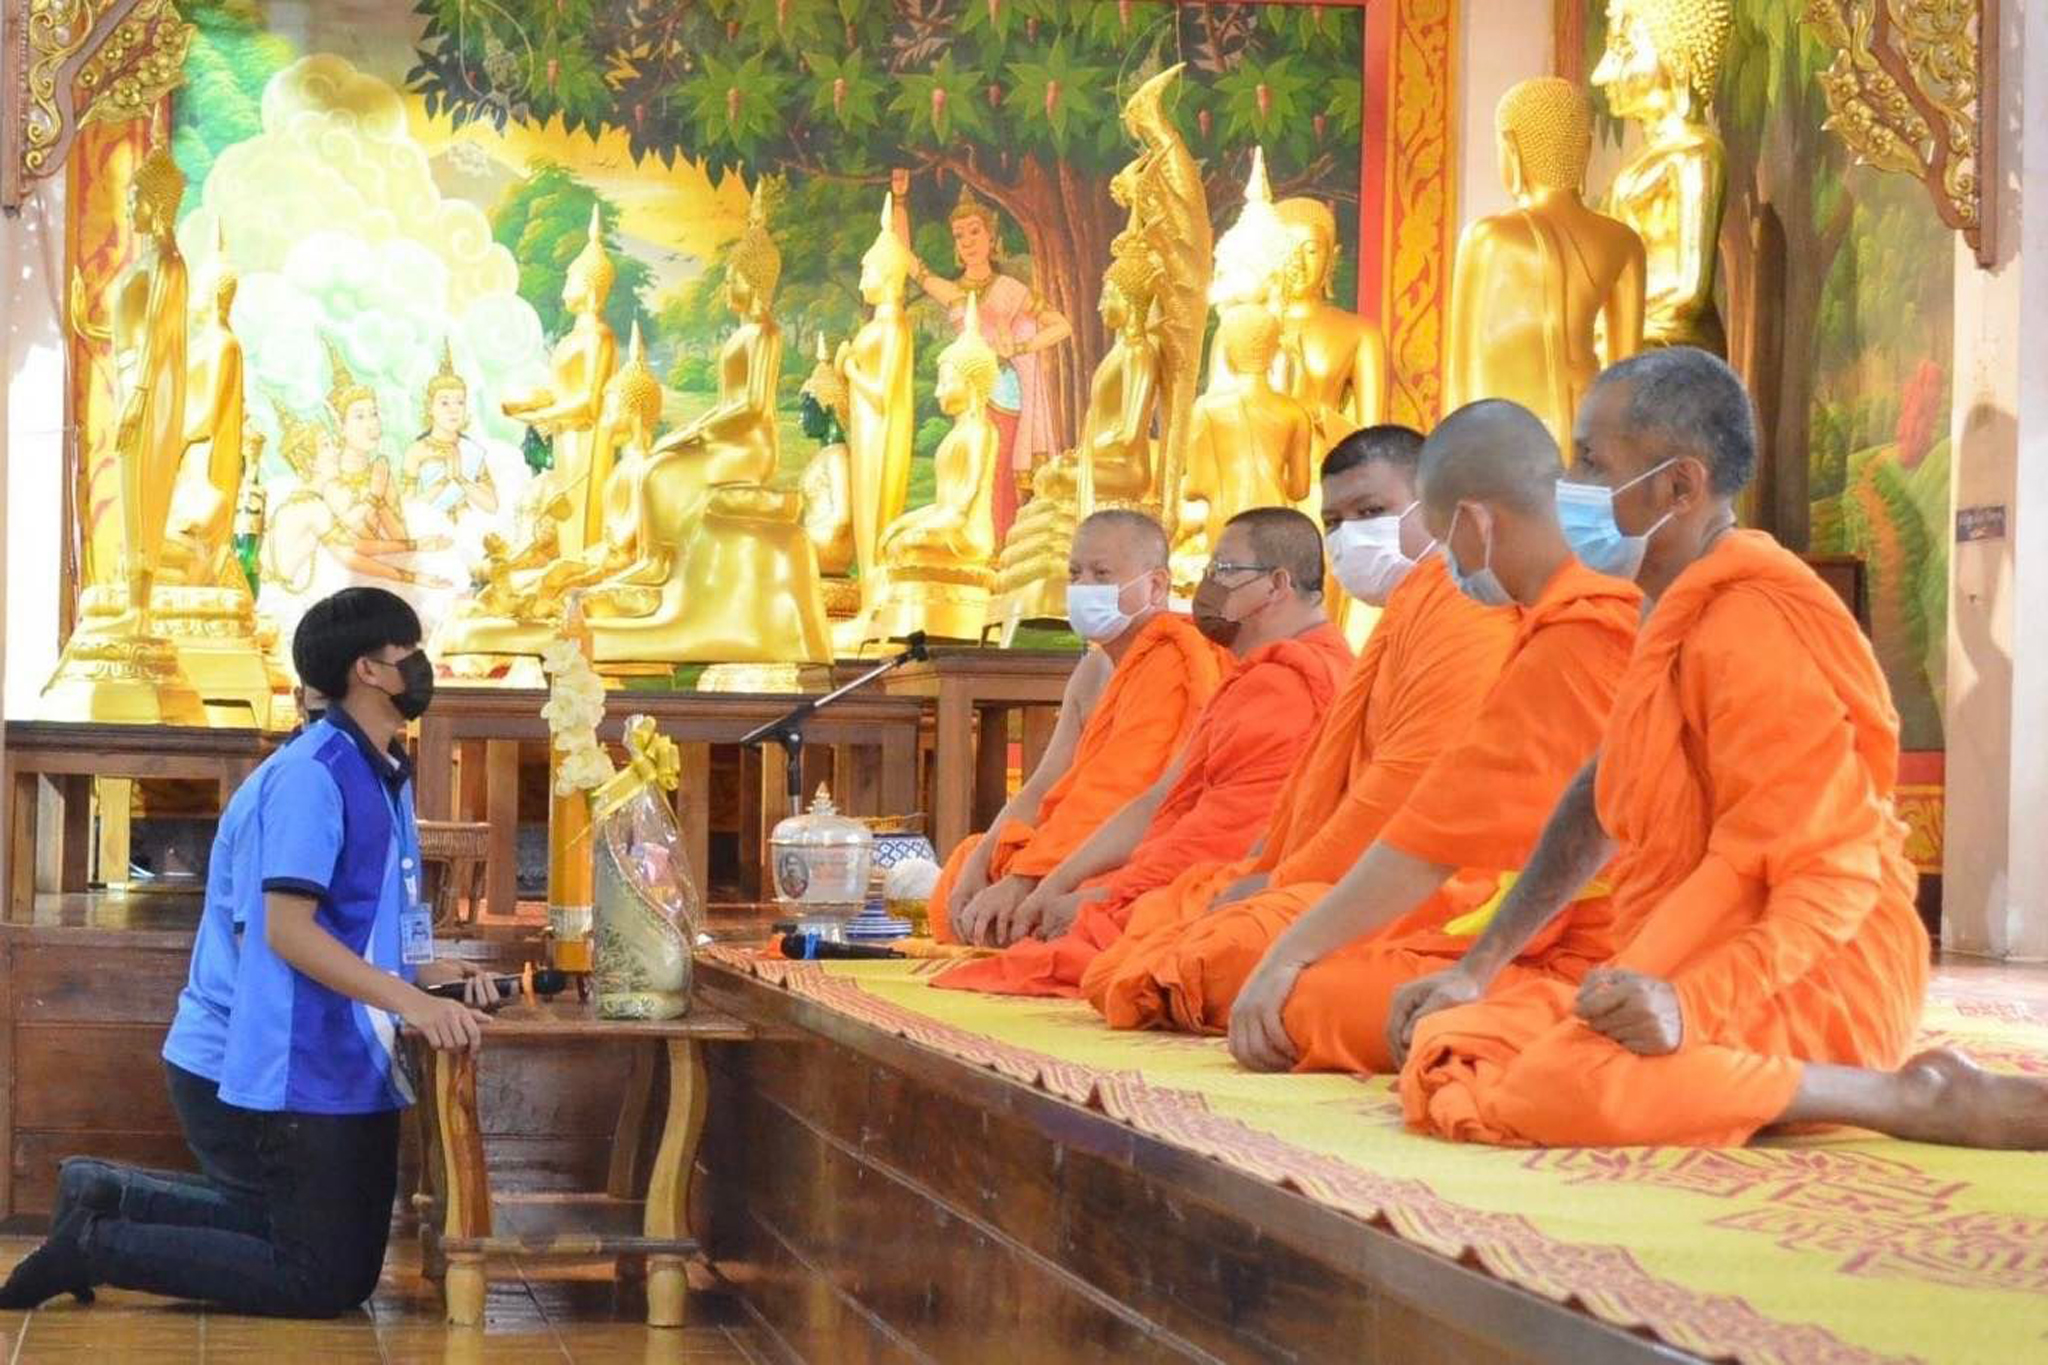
pixel 1095 610
pixel 1212 603
pixel 1586 512
pixel 1482 585
pixel 1366 556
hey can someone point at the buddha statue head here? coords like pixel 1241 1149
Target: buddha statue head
pixel 977 234
pixel 1313 230
pixel 1250 335
pixel 967 368
pixel 887 263
pixel 1663 56
pixel 1128 287
pixel 755 263
pixel 447 405
pixel 632 398
pixel 354 409
pixel 589 281
pixel 213 292
pixel 158 187
pixel 1253 249
pixel 1545 128
pixel 824 395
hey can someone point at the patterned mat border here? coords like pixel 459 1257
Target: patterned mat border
pixel 1604 1280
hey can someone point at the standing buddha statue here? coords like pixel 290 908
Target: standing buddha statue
pixel 115 667
pixel 1333 362
pixel 1532 284
pixel 936 559
pixel 567 409
pixel 881 412
pixel 1251 446
pixel 1662 63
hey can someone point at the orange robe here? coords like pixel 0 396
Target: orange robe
pixel 1144 714
pixel 1237 756
pixel 1480 808
pixel 1414 690
pixel 1748 776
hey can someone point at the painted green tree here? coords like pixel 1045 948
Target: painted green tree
pixel 1018 99
pixel 544 221
pixel 231 59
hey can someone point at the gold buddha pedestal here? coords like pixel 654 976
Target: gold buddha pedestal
pixel 116 667
pixel 936 560
pixel 1660 69
pixel 1533 285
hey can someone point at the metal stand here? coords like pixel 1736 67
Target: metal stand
pixel 788 730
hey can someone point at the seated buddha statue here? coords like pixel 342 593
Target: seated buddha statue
pixel 1333 362
pixel 1660 69
pixel 1112 467
pixel 827 484
pixel 1531 285
pixel 936 559
pixel 1248 448
pixel 1252 256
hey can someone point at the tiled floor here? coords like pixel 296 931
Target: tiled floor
pixel 581 1317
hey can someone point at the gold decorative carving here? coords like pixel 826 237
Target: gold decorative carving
pixel 139 63
pixel 1905 94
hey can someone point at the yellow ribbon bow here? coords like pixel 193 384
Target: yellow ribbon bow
pixel 651 760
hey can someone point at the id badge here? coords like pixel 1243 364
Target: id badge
pixel 416 935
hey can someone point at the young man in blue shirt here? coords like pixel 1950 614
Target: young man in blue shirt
pixel 282 1059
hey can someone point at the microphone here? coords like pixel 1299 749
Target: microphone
pixel 913 647
pixel 809 947
pixel 546 981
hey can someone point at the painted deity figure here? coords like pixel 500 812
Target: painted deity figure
pixel 444 467
pixel 567 409
pixel 1533 284
pixel 1018 324
pixel 1661 66
pixel 881 413
pixel 1333 362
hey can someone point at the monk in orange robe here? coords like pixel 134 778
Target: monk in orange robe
pixel 1214 797
pixel 1772 965
pixel 1126 712
pixel 1318 999
pixel 1416 687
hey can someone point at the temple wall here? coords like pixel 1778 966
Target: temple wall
pixel 1500 42
pixel 1995 881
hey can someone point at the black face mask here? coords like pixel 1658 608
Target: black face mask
pixel 416 671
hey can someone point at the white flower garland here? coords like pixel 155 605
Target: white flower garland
pixel 574 708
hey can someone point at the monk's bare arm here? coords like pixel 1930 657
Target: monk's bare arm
pixel 1111 846
pixel 1571 853
pixel 1077 703
pixel 1382 886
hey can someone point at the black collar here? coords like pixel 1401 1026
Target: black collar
pixel 393 764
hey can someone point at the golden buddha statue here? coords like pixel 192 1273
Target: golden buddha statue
pixel 115 667
pixel 437 468
pixel 567 410
pixel 1661 66
pixel 1113 465
pixel 1252 447
pixel 881 413
pixel 1532 284
pixel 827 486
pixel 936 559
pixel 1333 362
pixel 1252 257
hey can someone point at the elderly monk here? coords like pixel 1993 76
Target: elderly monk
pixel 1318 998
pixel 1262 598
pixel 1772 965
pixel 1125 713
pixel 1414 690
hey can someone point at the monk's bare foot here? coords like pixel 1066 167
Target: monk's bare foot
pixel 1947 1098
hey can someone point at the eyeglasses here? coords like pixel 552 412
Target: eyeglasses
pixel 1219 567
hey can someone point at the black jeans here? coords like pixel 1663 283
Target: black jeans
pixel 303 1235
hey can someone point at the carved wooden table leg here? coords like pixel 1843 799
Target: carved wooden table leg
pixel 433 1164
pixel 467 1194
pixel 628 1155
pixel 668 1186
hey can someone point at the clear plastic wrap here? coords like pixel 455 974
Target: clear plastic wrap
pixel 648 911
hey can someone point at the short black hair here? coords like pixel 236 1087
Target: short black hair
pixel 1286 539
pixel 1695 403
pixel 1389 443
pixel 338 630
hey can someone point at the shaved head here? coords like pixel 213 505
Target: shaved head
pixel 1492 451
pixel 1282 538
pixel 1131 538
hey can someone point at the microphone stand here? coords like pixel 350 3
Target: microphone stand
pixel 788 730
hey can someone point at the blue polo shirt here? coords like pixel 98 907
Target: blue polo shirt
pixel 329 817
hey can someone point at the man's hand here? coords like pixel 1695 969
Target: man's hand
pixel 1639 1012
pixel 479 987
pixel 1423 997
pixel 1258 1036
pixel 448 1025
pixel 993 910
pixel 1044 914
pixel 972 881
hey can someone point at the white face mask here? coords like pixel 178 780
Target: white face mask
pixel 1095 610
pixel 1366 556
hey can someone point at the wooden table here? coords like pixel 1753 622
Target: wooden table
pixel 53 763
pixel 461 1227
pixel 969 766
pixel 865 745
